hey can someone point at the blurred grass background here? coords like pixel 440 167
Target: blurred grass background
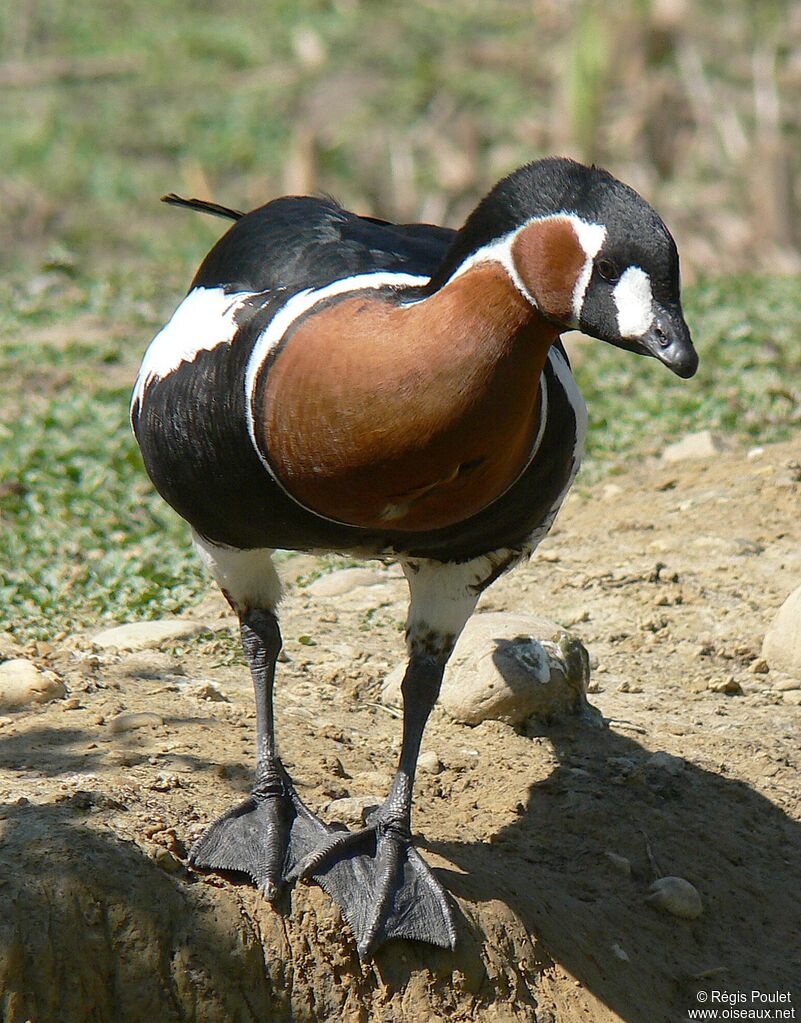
pixel 409 111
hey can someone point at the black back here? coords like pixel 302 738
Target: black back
pixel 302 242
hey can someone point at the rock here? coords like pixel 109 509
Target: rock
pixel 792 697
pixel 22 683
pixel 499 671
pixel 786 682
pixel 429 763
pixel 209 691
pixel 619 862
pixel 351 809
pixel 730 686
pixel 129 722
pixel 334 584
pixel 147 635
pixel 166 860
pixel 165 782
pixel 665 762
pixel 782 644
pixel 705 444
pixel 675 895
pixel 9 647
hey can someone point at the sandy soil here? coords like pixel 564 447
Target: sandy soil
pixel 670 574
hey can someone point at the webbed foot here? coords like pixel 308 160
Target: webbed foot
pixel 383 886
pixel 265 836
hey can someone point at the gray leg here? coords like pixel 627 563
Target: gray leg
pixel 384 887
pixel 267 833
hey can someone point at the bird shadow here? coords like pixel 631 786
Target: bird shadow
pixel 663 816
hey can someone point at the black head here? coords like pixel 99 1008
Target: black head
pixel 590 253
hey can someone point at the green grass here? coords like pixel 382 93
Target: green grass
pixel 83 537
pixel 405 110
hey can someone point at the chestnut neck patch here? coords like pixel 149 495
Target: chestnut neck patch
pixel 549 258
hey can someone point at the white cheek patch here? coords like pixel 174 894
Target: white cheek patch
pixel 634 302
pixel 205 319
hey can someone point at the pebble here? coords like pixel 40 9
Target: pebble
pixel 22 683
pixel 792 697
pixel 209 691
pixel 783 684
pixel 135 719
pixel 351 809
pixel 164 859
pixel 704 444
pixel 781 647
pixel 429 763
pixel 165 782
pixel 619 862
pixel 730 686
pixel 675 895
pixel 9 647
pixel 147 635
pixel 665 762
pixel 500 671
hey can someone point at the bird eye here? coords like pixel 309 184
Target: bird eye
pixel 607 270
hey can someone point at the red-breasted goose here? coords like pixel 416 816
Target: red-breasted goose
pixel 336 382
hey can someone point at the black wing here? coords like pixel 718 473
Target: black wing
pixel 303 242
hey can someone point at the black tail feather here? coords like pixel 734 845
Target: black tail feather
pixel 203 206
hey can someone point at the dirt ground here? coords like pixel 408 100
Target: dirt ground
pixel 670 574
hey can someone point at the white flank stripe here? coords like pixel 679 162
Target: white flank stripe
pixel 299 304
pixel 205 319
pixel 634 301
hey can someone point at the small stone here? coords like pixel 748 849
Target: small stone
pixel 130 721
pixel 675 895
pixel 782 644
pixel 164 859
pixel 704 444
pixel 334 584
pixel 147 635
pixel 629 687
pixel 759 666
pixel 792 697
pixel 620 952
pixel 209 691
pixel 786 682
pixel 665 762
pixel 166 782
pixel 429 763
pixel 22 684
pixel 730 686
pixel 351 809
pixel 619 862
pixel 9 646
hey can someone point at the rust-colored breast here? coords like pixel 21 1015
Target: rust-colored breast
pixel 407 417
